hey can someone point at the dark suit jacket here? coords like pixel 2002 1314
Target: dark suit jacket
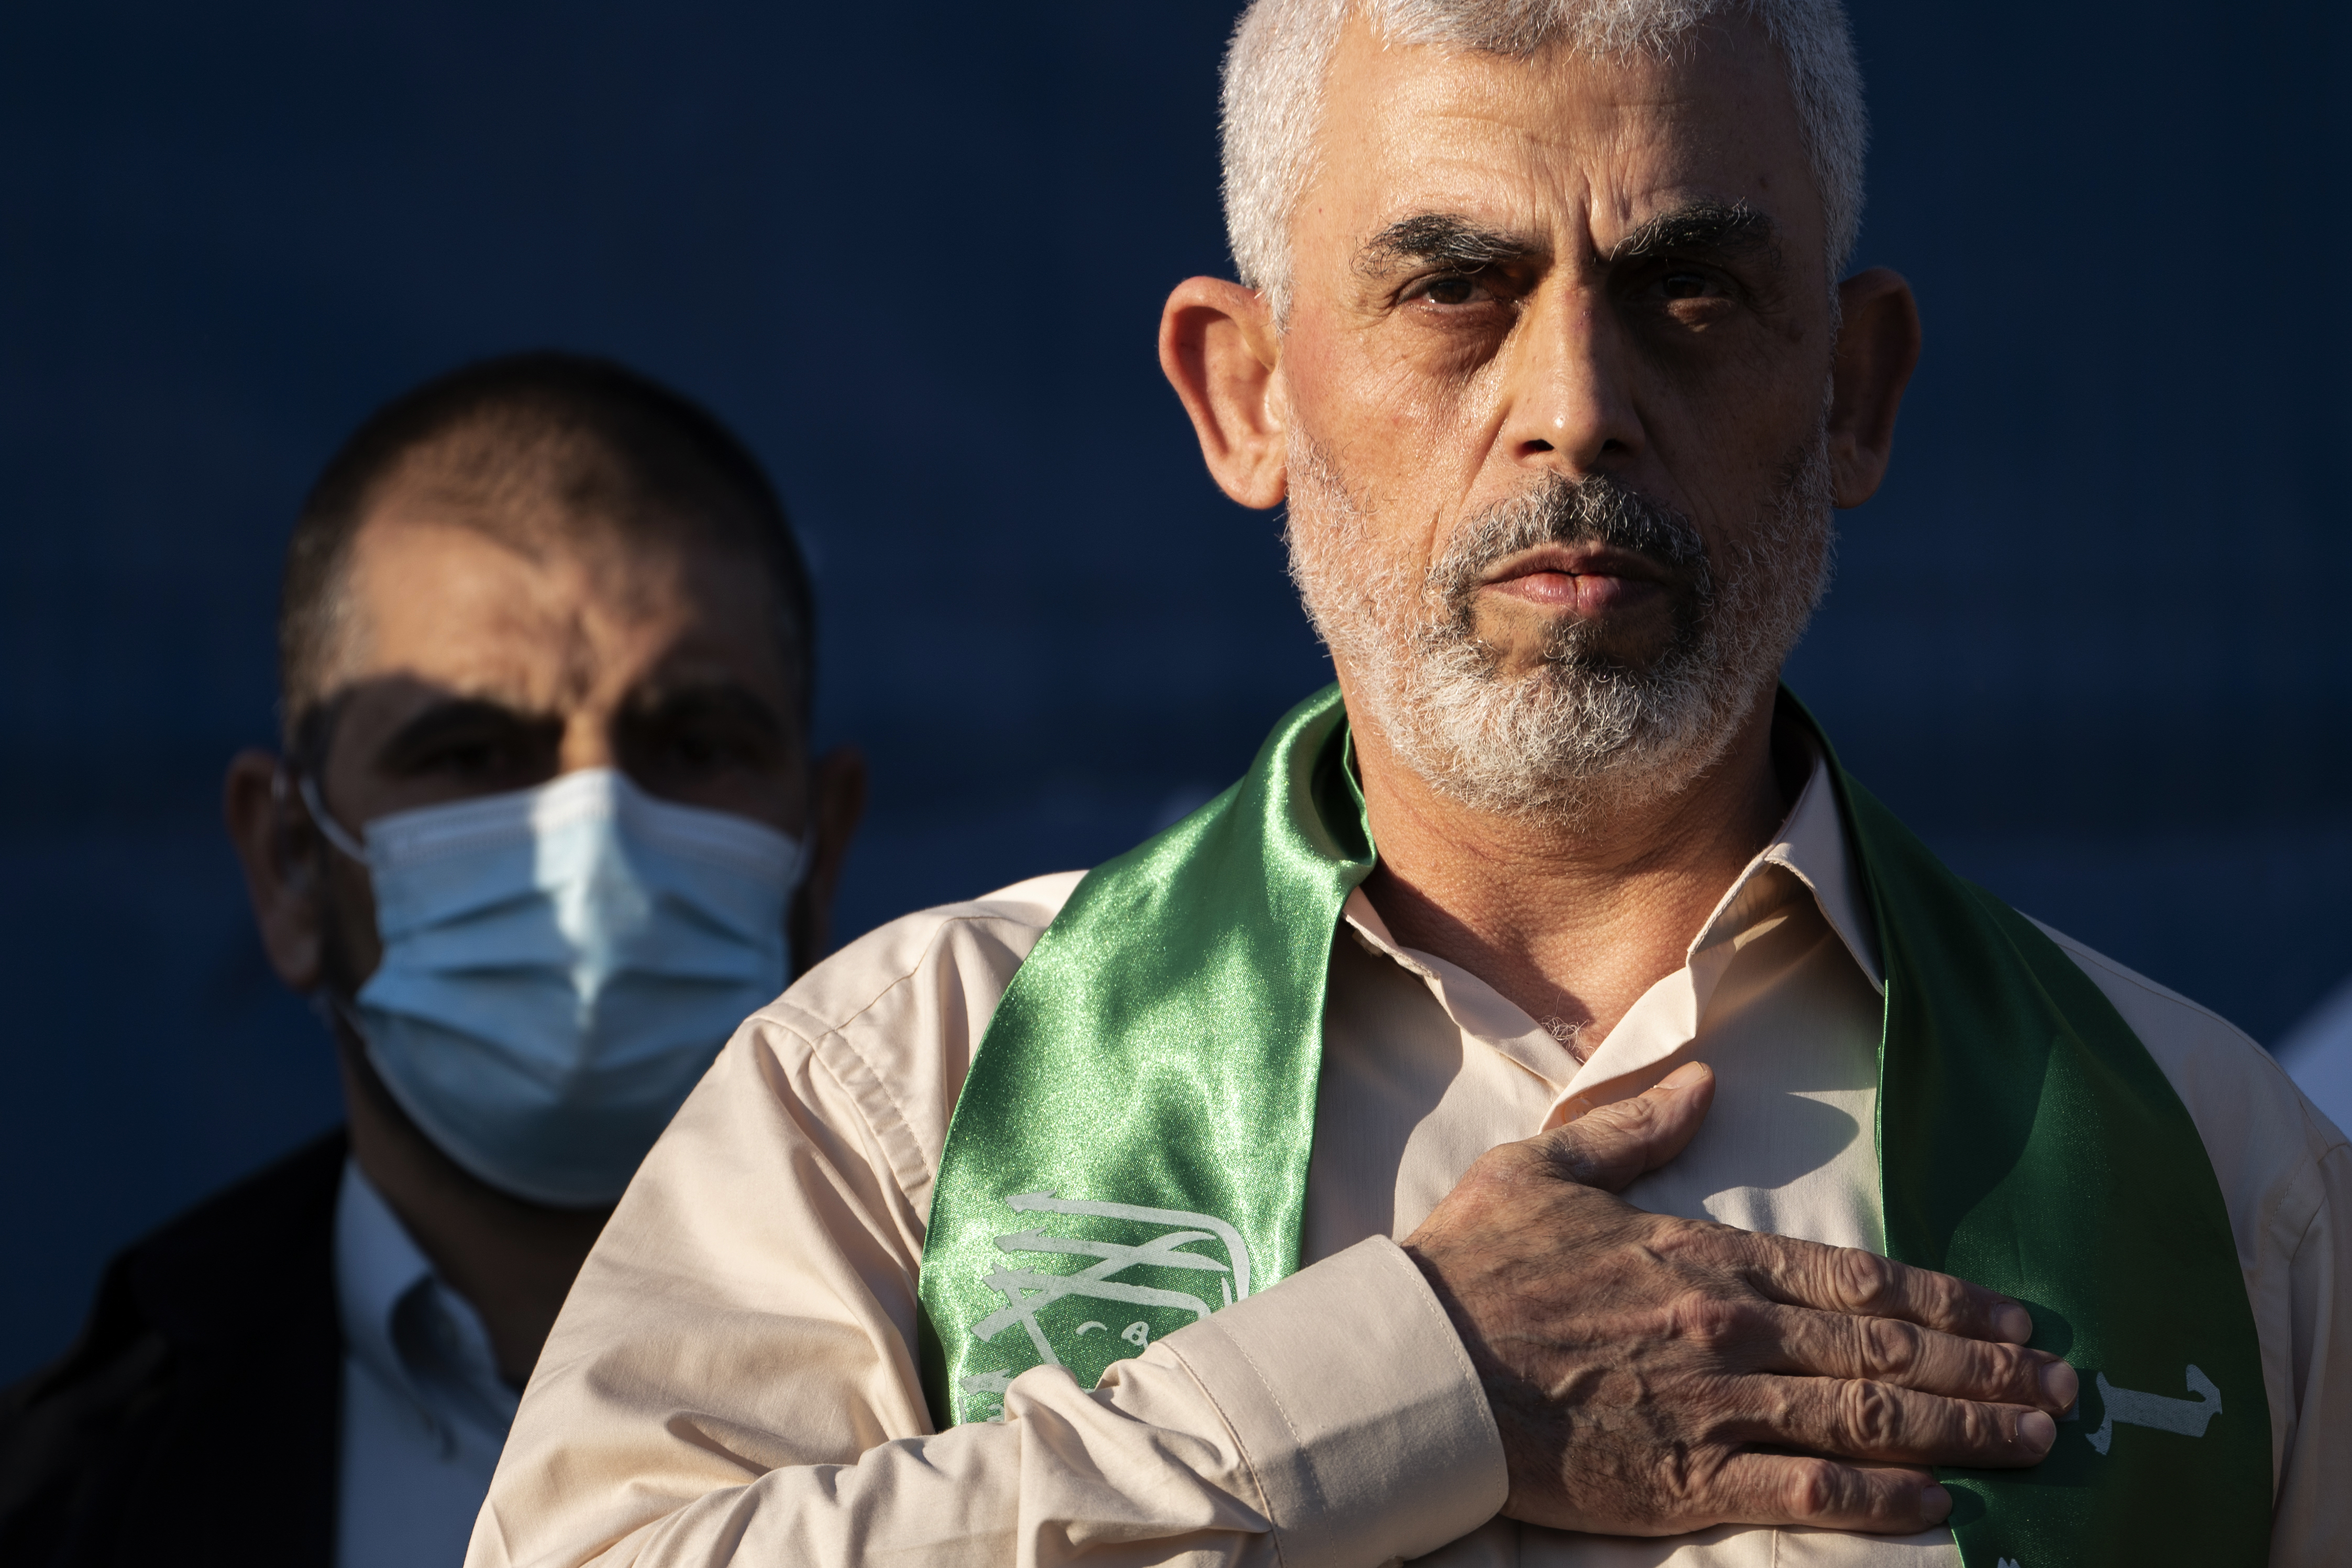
pixel 195 1421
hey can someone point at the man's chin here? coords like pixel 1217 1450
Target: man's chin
pixel 1520 645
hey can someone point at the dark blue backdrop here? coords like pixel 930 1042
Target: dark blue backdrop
pixel 916 254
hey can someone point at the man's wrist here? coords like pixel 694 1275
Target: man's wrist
pixel 1351 1394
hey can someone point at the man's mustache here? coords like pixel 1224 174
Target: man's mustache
pixel 1596 509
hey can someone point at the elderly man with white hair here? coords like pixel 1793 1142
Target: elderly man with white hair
pixel 1546 1110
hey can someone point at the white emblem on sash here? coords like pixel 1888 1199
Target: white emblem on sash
pixel 1028 1291
pixel 2132 1408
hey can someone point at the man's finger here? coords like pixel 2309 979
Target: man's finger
pixel 1857 1419
pixel 1780 1488
pixel 1848 1279
pixel 1610 1146
pixel 1802 1341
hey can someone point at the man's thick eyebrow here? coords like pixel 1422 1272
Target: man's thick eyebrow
pixel 1442 238
pixel 454 715
pixel 694 696
pixel 1701 227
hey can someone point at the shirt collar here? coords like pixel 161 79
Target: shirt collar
pixel 400 1320
pixel 1810 847
pixel 1809 850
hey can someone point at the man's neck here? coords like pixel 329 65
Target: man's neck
pixel 1570 918
pixel 512 1260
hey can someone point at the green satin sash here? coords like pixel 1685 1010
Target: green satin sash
pixel 1129 1154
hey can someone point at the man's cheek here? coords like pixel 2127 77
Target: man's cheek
pixel 1724 447
pixel 1727 498
pixel 1379 374
pixel 1431 429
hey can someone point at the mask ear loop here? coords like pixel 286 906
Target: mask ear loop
pixel 330 1007
pixel 334 832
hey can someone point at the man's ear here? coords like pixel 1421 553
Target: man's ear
pixel 1878 349
pixel 837 804
pixel 279 850
pixel 1219 348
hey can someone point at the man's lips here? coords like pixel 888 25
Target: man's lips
pixel 1579 579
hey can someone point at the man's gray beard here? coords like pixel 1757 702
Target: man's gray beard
pixel 1581 734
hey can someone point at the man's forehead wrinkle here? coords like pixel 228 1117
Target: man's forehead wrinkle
pixel 1524 163
pixel 498 676
pixel 531 656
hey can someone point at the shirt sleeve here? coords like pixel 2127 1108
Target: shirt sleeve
pixel 733 1377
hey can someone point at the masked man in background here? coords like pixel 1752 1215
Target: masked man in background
pixel 1545 1112
pixel 547 827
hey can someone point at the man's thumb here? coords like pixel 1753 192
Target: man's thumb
pixel 1610 1145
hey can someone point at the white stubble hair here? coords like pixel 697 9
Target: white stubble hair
pixel 1578 737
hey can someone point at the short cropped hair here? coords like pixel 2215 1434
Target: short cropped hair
pixel 585 442
pixel 1281 57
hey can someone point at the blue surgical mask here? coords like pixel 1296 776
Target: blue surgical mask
pixel 560 966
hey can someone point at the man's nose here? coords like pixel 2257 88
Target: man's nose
pixel 587 742
pixel 1570 409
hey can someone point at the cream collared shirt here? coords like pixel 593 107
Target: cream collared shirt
pixel 733 1378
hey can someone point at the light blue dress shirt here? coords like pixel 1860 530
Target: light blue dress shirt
pixel 425 1410
pixel 2318 1053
